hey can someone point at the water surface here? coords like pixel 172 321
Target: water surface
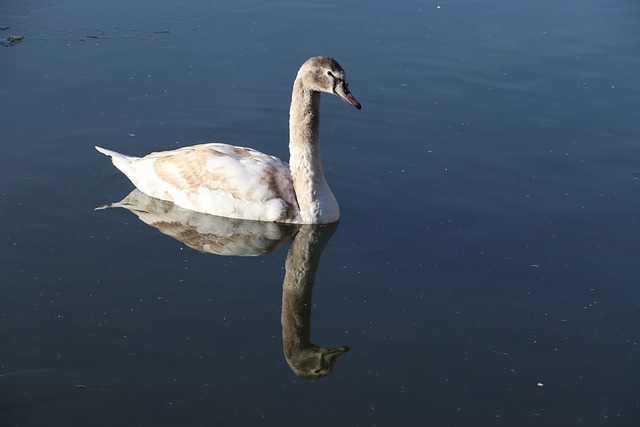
pixel 484 271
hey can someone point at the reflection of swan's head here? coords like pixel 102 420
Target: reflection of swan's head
pixel 315 362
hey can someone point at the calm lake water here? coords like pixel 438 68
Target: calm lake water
pixel 485 271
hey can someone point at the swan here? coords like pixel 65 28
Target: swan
pixel 243 183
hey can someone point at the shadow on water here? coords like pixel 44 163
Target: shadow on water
pixel 234 237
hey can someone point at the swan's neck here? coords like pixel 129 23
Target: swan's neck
pixel 315 199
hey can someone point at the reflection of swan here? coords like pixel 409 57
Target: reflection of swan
pixel 307 360
pixel 238 182
pixel 207 233
pixel 225 236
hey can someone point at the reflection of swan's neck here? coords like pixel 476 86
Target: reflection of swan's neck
pixel 301 267
pixel 315 199
pixel 305 359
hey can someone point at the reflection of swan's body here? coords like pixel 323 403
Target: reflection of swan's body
pixel 238 182
pixel 207 233
pixel 225 236
pixel 305 359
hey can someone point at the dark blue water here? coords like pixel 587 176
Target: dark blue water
pixel 485 269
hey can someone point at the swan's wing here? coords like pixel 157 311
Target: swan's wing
pixel 219 179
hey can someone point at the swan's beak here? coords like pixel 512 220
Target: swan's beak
pixel 333 353
pixel 343 92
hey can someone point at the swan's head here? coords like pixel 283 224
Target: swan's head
pixel 315 362
pixel 324 74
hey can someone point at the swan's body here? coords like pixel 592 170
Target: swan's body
pixel 239 182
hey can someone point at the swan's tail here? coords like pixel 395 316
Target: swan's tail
pixel 119 160
pixel 110 205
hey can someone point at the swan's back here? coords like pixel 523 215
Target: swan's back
pixel 218 179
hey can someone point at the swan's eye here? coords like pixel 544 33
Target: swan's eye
pixel 329 73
